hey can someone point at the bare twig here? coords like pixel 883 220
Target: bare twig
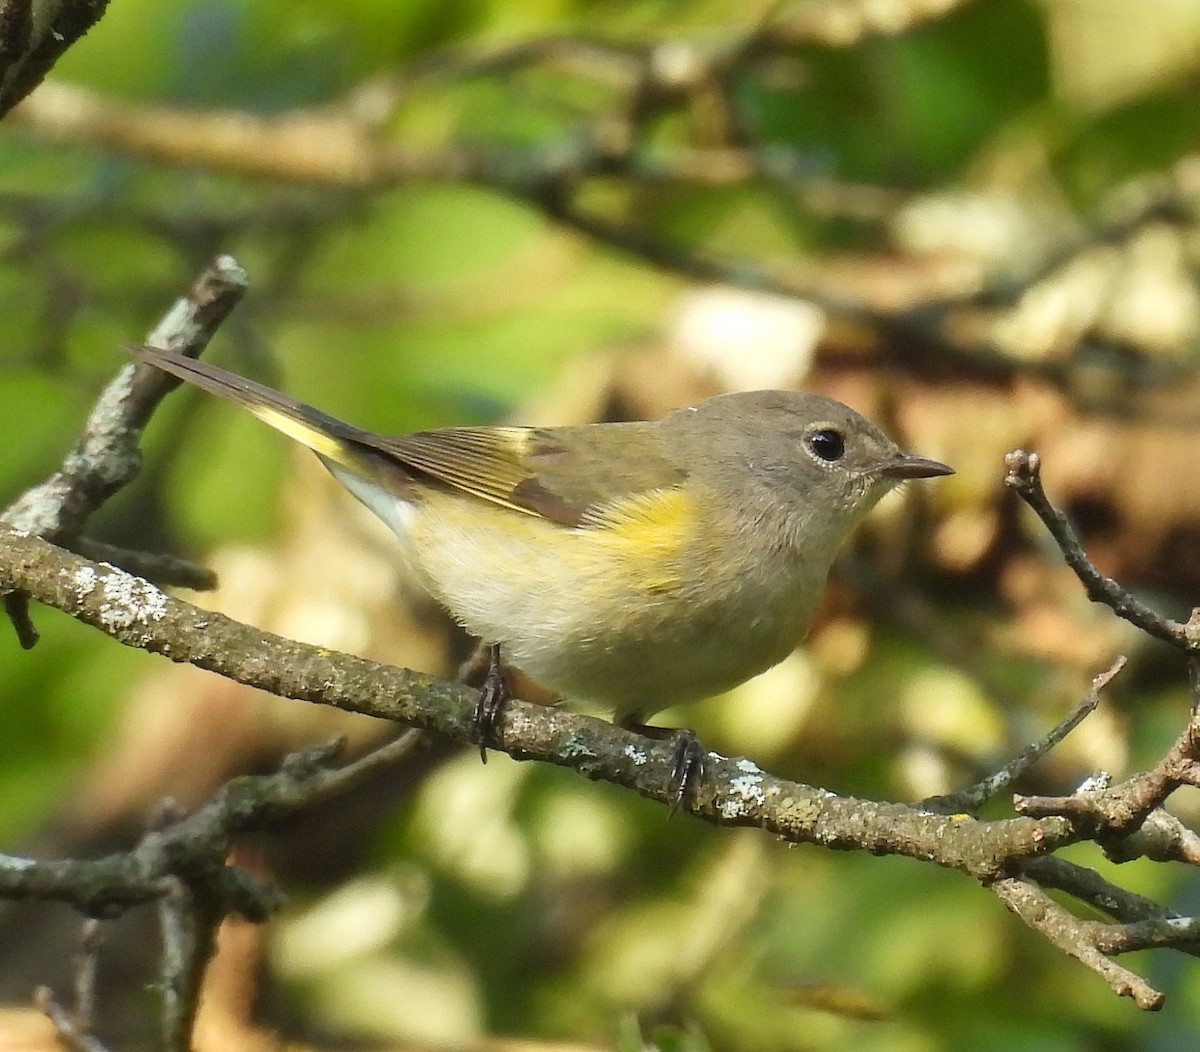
pixel 1025 476
pixel 1075 937
pixel 1150 934
pixel 1090 887
pixel 398 751
pixel 668 68
pixel 972 798
pixel 1161 837
pixel 1165 206
pixel 33 36
pixel 106 456
pixel 86 964
pixel 69 1030
pixel 345 146
pixel 16 607
pixel 192 849
pixel 188 917
pixel 687 260
pixel 841 23
pixel 74 1026
pixel 1127 820
pixel 159 567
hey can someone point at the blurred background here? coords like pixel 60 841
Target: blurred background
pixel 976 222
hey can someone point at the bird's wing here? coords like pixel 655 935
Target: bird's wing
pixel 575 476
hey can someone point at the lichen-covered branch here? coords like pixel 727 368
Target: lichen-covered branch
pixel 107 454
pixel 1128 818
pixel 137 614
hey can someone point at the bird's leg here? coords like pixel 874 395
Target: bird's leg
pixel 687 759
pixel 493 693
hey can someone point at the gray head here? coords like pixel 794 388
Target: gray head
pixel 810 458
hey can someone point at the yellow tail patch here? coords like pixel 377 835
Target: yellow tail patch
pixel 307 434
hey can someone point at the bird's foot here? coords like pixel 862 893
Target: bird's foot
pixel 489 706
pixel 687 760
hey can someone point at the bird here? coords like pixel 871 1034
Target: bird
pixel 634 565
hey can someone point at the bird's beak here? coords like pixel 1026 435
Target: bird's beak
pixel 906 466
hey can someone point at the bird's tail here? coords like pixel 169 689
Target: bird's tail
pixel 330 438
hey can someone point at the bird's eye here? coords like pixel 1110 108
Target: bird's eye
pixel 826 444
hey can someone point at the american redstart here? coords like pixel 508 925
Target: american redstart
pixel 635 565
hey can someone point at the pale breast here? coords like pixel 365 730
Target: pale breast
pixel 627 625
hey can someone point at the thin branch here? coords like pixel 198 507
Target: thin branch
pixel 33 36
pixel 338 146
pixel 189 913
pixel 843 23
pixel 1161 837
pixel 71 1033
pixel 1150 934
pixel 16 608
pixel 229 140
pixel 1074 937
pixel 1166 205
pixel 86 963
pixel 1025 476
pixel 106 456
pixel 74 1026
pixel 395 753
pixel 191 849
pixel 831 23
pixel 1090 887
pixel 158 567
pixel 684 259
pixel 345 145
pixel 969 800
